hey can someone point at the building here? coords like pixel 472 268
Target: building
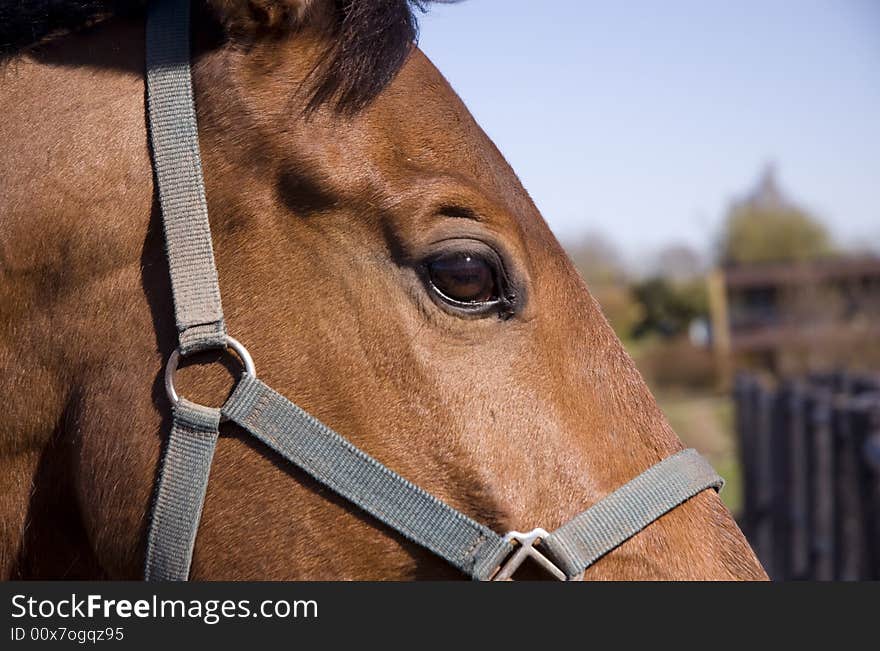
pixel 795 317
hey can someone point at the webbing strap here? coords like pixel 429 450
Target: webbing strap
pixel 584 539
pixel 312 446
pixel 178 167
pixel 180 492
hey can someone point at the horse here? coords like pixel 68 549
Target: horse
pixel 376 253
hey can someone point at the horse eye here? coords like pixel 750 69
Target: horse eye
pixel 464 278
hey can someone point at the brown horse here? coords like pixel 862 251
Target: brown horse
pixel 376 254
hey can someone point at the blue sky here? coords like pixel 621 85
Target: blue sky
pixel 642 120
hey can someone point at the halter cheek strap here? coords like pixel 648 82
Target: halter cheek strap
pixel 298 436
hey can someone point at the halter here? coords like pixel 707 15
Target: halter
pixel 298 436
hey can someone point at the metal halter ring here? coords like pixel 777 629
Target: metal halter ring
pixel 174 361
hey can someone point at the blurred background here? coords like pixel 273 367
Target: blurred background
pixel 713 170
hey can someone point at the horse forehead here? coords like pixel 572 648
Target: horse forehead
pixel 422 111
pixel 415 132
pixel 420 127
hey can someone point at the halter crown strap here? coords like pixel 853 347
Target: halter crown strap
pixel 298 436
pixel 178 166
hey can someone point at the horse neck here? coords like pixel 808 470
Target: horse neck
pixel 75 205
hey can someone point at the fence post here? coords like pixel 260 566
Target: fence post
pixel 850 532
pixel 746 396
pixel 871 458
pixel 779 485
pixel 823 487
pixel 799 452
pixel 765 494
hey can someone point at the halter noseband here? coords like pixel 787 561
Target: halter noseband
pixel 296 435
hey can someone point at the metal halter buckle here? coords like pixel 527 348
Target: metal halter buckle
pixel 524 547
pixel 174 361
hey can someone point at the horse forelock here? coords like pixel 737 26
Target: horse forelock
pixel 369 40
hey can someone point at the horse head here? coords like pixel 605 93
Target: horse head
pixel 380 260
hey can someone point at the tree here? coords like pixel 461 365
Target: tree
pixel 598 260
pixel 679 263
pixel 767 227
pixel 668 307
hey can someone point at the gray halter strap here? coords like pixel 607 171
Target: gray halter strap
pixel 296 435
pixel 178 168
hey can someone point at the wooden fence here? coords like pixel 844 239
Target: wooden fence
pixel 810 452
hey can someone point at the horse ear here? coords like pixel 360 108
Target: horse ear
pixel 250 18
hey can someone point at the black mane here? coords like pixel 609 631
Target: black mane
pixel 371 42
